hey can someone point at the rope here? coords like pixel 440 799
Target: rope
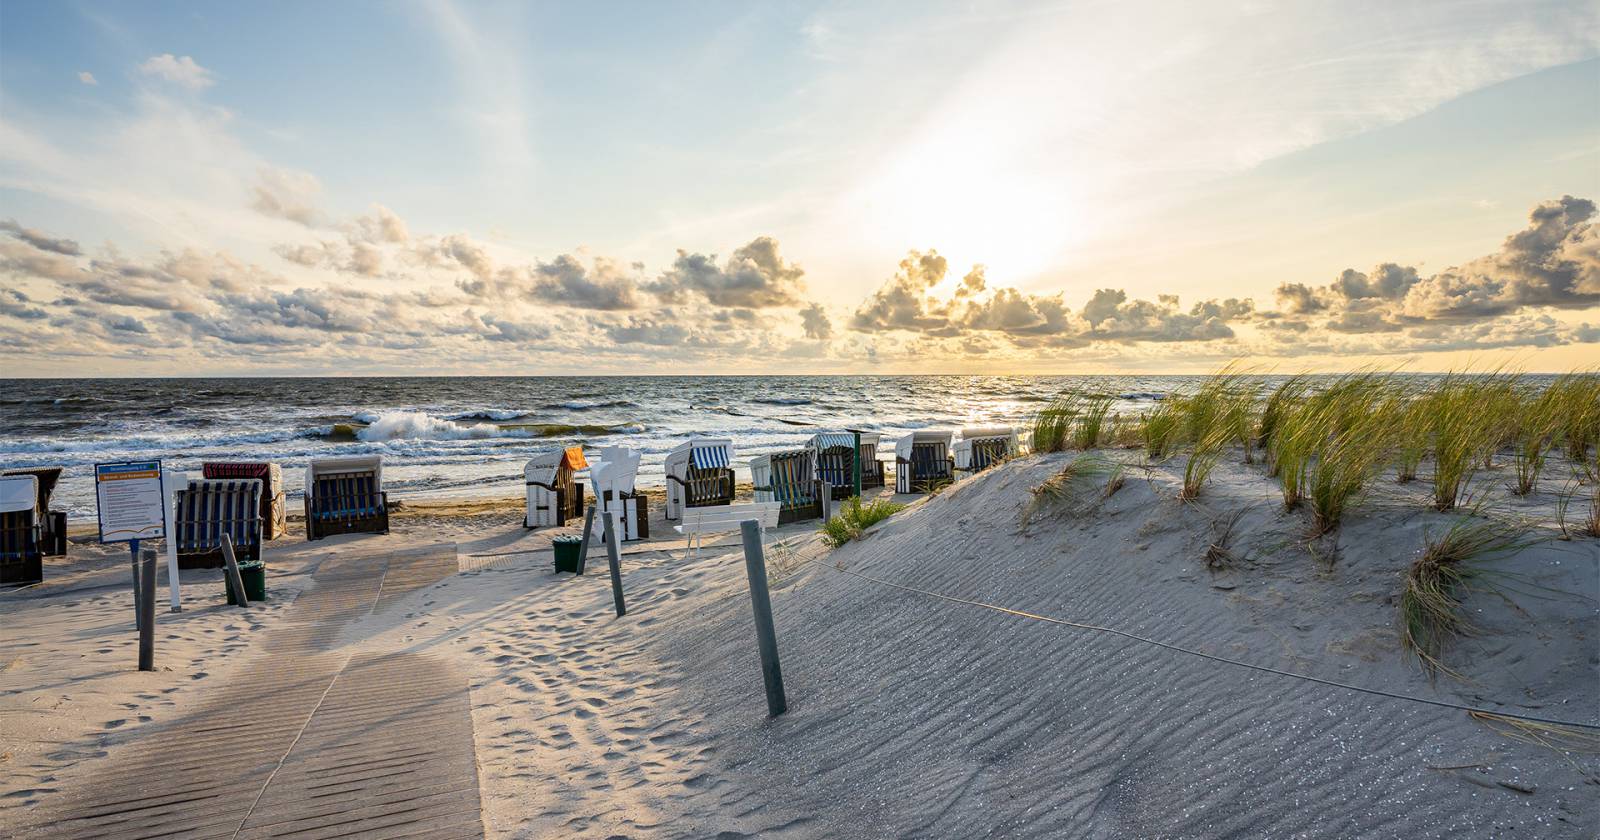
pixel 1378 692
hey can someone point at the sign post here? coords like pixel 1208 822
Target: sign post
pixel 132 506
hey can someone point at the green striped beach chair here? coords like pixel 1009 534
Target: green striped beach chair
pixel 210 507
pixel 789 479
pixel 345 496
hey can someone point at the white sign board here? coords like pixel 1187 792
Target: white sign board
pixel 132 506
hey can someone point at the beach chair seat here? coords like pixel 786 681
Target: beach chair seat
pixel 21 533
pixel 346 496
pixel 922 461
pixel 554 496
pixel 698 522
pixel 209 508
pixel 274 510
pixel 52 523
pixel 788 478
pixel 699 474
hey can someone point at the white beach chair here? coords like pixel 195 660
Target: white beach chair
pixel 982 447
pixel 922 460
pixel 345 495
pixel 21 531
pixel 699 474
pixel 613 476
pixel 554 495
pixel 833 454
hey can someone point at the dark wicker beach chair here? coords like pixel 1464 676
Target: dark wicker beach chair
pixel 207 509
pixel 834 453
pixel 274 512
pixel 699 474
pixel 554 494
pixel 922 461
pixel 788 478
pixel 21 532
pixel 345 496
pixel 52 523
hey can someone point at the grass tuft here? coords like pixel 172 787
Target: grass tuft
pixel 854 518
pixel 1072 488
pixel 1449 568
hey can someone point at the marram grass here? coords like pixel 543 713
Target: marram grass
pixel 1450 567
pixel 854 518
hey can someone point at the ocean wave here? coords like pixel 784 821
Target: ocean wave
pixel 419 425
pixel 489 414
pixel 781 400
pixel 584 405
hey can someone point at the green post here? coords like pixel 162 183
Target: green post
pixel 855 459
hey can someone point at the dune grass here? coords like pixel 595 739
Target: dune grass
pixel 1537 420
pixel 1348 428
pixel 1412 435
pixel 1211 419
pixel 1575 405
pixel 1158 427
pixel 1090 427
pixel 1282 400
pixel 1048 430
pixel 854 518
pixel 1450 568
pixel 1073 487
pixel 1464 418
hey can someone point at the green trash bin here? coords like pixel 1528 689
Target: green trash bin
pixel 568 548
pixel 254 574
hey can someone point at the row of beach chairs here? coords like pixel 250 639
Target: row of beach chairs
pixel 245 501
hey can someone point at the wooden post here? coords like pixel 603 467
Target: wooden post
pixel 235 579
pixel 170 482
pixel 614 555
pixel 583 547
pixel 147 610
pixel 755 566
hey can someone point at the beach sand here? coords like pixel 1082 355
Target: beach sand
pixel 910 715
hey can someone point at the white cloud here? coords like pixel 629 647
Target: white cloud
pixel 178 70
pixel 87 78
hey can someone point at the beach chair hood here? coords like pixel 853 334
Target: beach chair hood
pixel 352 463
pixel 543 468
pixel 19 493
pixel 702 453
pixel 903 446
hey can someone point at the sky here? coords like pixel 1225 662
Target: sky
pixel 727 187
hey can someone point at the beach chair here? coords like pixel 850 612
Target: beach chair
pixel 52 523
pixel 788 478
pixel 21 532
pixel 922 461
pixel 274 512
pixel 699 475
pixel 206 509
pixel 613 476
pixel 833 453
pixel 554 494
pixel 983 447
pixel 345 496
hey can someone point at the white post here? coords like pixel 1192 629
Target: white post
pixel 171 483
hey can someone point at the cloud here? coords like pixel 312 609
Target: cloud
pixel 38 240
pixel 1554 262
pixel 287 194
pixel 756 275
pixel 15 304
pixel 903 303
pixel 178 70
pixel 87 78
pixel 814 320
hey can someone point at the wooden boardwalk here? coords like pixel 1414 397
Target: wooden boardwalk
pixel 307 741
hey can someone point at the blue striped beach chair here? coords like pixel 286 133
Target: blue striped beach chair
pixel 21 532
pixel 789 479
pixel 699 474
pixel 208 508
pixel 345 496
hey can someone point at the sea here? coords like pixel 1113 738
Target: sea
pixel 449 437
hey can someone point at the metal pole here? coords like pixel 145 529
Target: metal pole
pixel 147 610
pixel 235 579
pixel 614 555
pixel 138 613
pixel 855 459
pixel 583 547
pixel 755 565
